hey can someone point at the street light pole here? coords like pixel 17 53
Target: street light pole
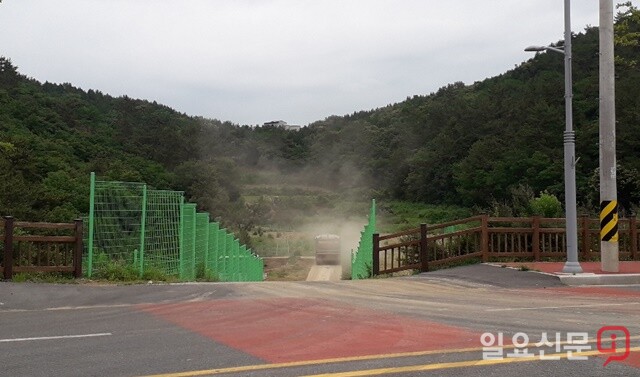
pixel 572 265
pixel 571 214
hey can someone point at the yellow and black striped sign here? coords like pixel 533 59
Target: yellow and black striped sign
pixel 609 220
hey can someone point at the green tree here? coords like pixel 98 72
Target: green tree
pixel 546 205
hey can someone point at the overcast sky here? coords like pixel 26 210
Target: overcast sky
pixel 253 61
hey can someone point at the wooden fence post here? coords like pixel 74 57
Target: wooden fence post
pixel 586 241
pixel 634 237
pixel 77 250
pixel 8 247
pixel 424 256
pixel 376 255
pixel 484 239
pixel 535 238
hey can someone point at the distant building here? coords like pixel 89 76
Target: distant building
pixel 276 123
pixel 282 124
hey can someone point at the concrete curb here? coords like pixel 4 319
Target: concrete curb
pixel 586 278
pixel 599 279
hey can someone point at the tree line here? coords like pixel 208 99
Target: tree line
pixel 486 145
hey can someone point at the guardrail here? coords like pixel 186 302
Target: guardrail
pixel 491 238
pixel 41 247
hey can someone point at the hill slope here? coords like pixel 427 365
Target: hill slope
pixel 476 145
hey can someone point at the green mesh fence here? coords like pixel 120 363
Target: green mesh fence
pixel 188 242
pixel 146 229
pixel 212 254
pixel 202 243
pixel 161 248
pixel 362 258
pixel 115 224
pixel 228 271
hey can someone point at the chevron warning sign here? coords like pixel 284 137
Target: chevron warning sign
pixel 609 220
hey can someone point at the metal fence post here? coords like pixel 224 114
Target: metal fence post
pixel 92 196
pixel 143 225
pixel 8 247
pixel 181 242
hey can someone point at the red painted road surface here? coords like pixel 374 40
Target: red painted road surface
pixel 280 330
pixel 286 330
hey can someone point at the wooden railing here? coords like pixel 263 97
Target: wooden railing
pixel 41 247
pixel 492 238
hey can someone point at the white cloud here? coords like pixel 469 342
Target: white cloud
pixel 250 61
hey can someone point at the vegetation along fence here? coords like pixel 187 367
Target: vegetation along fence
pixel 41 247
pixel 493 238
pixel 362 258
pixel 155 230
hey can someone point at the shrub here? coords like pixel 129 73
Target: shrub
pixel 546 205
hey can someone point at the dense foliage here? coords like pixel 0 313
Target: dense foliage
pixel 491 144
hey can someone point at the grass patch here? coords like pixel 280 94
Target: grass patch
pixel 120 270
pixel 44 277
pixel 206 275
pixel 399 215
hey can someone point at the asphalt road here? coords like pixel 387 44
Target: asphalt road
pixel 424 325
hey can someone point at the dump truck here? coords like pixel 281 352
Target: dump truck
pixel 327 249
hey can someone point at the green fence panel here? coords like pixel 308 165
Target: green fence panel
pixel 161 248
pixel 258 269
pixel 145 229
pixel 244 263
pixel 202 243
pixel 188 255
pixel 222 254
pixel 252 266
pixel 212 255
pixel 239 271
pixel 229 269
pixel 134 226
pixel 240 263
pixel 236 267
pixel 116 222
pixel 362 258
pixel 253 269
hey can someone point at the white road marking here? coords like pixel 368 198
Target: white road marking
pixel 54 337
pixel 69 308
pixel 561 307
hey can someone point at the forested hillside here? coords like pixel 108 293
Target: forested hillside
pixel 491 144
pixel 473 144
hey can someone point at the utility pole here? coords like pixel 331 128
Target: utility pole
pixel 609 252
